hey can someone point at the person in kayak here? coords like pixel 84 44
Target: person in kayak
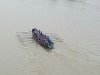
pixel 49 41
pixel 41 33
pixel 34 31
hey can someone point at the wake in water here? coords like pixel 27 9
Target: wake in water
pixel 60 47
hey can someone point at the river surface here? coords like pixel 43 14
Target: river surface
pixel 77 22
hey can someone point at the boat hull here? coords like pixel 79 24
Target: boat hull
pixel 40 41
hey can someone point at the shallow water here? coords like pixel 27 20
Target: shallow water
pixel 75 21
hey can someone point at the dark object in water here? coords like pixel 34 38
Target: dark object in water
pixel 42 39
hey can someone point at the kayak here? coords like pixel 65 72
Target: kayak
pixel 42 38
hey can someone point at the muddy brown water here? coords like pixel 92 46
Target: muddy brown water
pixel 76 22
